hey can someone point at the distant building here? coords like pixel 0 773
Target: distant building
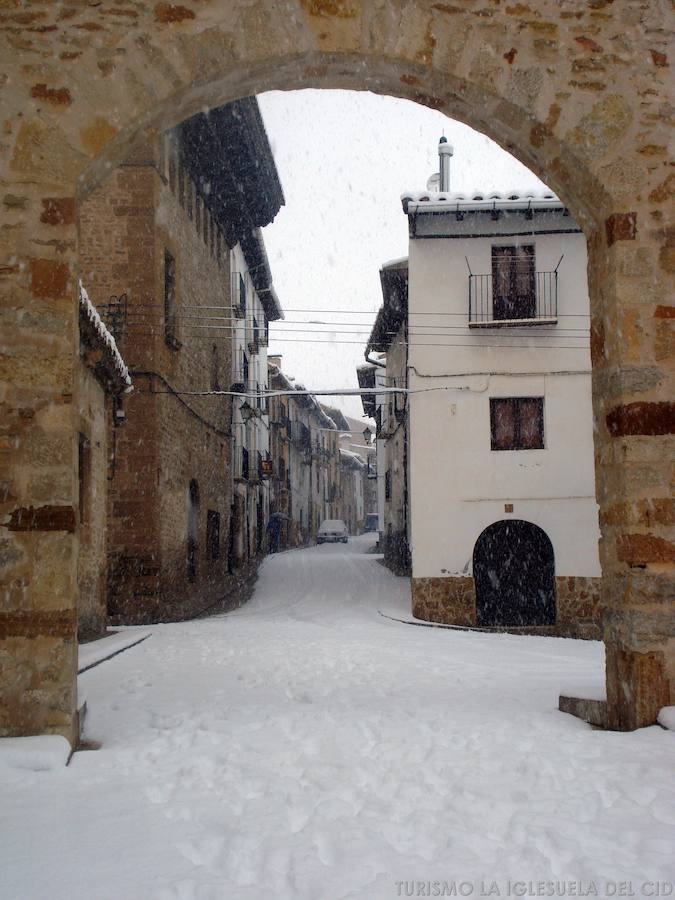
pixel 352 494
pixel 502 517
pixel 281 498
pixel 305 486
pixel 389 339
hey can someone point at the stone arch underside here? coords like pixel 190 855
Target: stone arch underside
pixel 579 93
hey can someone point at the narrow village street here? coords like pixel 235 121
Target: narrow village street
pixel 304 746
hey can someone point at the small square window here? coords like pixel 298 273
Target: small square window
pixel 517 423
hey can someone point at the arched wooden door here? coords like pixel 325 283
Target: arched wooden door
pixel 514 574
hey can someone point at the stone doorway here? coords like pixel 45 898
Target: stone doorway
pixel 578 93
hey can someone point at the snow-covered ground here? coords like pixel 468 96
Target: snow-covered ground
pixel 306 747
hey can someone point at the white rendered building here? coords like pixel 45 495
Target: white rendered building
pixel 503 519
pixel 254 305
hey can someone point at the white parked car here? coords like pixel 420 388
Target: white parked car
pixel 332 531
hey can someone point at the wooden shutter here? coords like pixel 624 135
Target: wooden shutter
pixel 531 423
pixel 513 282
pixel 523 283
pixel 503 424
pixel 502 259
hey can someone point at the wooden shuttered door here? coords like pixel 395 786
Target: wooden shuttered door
pixel 513 283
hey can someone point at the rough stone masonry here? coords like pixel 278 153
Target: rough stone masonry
pixel 578 90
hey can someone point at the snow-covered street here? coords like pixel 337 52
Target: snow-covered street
pixel 306 747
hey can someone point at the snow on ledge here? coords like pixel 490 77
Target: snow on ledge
pixel 99 326
pixel 666 717
pixel 40 753
pixel 477 196
pixel 517 199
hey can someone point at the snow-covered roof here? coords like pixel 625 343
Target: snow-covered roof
pixel 512 199
pixel 395 263
pixel 335 415
pixel 100 333
pixel 352 458
pixel 279 376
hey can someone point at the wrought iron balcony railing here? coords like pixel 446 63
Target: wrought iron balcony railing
pixel 536 306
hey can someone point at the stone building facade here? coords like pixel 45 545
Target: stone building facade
pixel 579 93
pixel 155 247
pixel 305 487
pixel 103 382
pixel 352 482
pixel 169 495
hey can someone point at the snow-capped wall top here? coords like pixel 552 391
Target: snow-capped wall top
pixel 517 198
pixel 90 314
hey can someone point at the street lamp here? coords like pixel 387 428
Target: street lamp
pixel 367 434
pixel 246 412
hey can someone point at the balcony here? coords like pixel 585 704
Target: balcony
pixel 537 305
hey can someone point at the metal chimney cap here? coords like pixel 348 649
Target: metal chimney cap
pixel 444 148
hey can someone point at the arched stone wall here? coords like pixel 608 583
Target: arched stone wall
pixel 575 90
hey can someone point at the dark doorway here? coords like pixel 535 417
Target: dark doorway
pixel 514 573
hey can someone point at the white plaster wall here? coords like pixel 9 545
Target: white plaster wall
pixel 255 434
pixel 458 485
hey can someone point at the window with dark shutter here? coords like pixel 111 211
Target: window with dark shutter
pixel 182 175
pixel 215 369
pixel 213 533
pixel 170 300
pixel 513 283
pixel 517 423
pixel 84 472
pixel 242 293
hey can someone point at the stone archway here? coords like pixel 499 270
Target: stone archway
pixel 576 92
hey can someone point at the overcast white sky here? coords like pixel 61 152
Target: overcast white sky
pixel 344 159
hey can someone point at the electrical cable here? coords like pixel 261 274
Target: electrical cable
pixel 328 327
pixel 414 345
pixel 364 312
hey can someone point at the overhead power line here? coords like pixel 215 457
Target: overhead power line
pixel 361 343
pixel 210 322
pixel 133 304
